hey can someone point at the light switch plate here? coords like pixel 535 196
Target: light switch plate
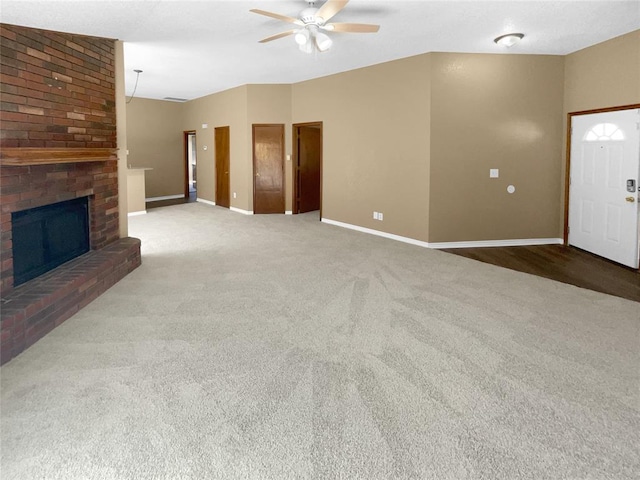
pixel 494 173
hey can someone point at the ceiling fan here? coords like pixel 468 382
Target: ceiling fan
pixel 312 23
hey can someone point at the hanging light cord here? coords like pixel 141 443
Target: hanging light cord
pixel 138 72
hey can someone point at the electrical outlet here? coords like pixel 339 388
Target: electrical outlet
pixel 375 215
pixel 234 195
pixel 380 216
pixel 494 173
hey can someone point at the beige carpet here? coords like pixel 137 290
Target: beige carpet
pixel 278 347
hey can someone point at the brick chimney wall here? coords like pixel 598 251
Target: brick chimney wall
pixel 58 142
pixel 58 89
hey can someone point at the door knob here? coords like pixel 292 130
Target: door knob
pixel 257 174
pixel 630 199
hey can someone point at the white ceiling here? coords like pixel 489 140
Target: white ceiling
pixel 188 49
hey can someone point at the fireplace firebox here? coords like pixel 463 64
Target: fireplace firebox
pixel 46 237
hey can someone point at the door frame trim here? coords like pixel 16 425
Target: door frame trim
pixel 253 158
pixel 185 156
pixel 294 162
pixel 567 170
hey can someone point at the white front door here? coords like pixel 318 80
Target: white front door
pixel 603 192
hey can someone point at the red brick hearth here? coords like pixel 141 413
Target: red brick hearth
pixel 31 310
pixel 58 143
pixel 35 308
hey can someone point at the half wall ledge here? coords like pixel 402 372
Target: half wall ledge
pixel 35 308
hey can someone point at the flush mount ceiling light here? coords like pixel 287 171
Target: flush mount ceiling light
pixel 509 40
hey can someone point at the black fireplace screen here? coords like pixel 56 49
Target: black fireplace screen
pixel 46 237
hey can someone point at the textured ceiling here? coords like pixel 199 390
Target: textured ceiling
pixel 188 49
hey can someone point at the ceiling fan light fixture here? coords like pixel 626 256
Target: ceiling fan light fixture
pixel 302 36
pixel 323 42
pixel 509 39
pixel 307 47
pixel 308 35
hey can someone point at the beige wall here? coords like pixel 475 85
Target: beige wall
pixel 604 75
pixel 495 111
pixel 154 140
pixel 223 109
pixel 375 145
pixel 237 108
pixel 136 190
pixel 415 138
pixel 121 135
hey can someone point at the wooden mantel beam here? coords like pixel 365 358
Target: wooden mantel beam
pixel 18 156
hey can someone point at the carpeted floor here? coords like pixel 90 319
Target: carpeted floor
pixel 277 347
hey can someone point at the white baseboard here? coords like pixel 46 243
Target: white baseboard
pixel 135 214
pixel 288 212
pixel 233 209
pixel 378 233
pixel 521 242
pixel 166 197
pixel 239 210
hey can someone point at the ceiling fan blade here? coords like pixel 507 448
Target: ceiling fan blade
pixel 352 27
pixel 277 16
pixel 277 36
pixel 330 8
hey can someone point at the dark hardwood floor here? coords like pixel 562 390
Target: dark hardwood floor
pixel 173 201
pixel 564 264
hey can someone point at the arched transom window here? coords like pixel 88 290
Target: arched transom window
pixel 604 132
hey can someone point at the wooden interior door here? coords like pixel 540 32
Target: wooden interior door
pixel 308 159
pixel 268 168
pixel 222 166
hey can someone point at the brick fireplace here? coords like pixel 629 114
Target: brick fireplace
pixel 25 187
pixel 58 143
